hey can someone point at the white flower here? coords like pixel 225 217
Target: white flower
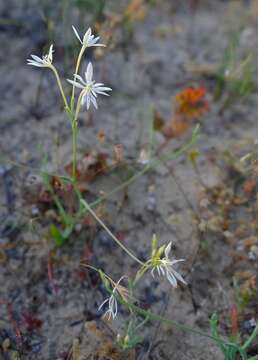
pixel 144 157
pixel 112 302
pixel 164 267
pixel 112 307
pixel 45 61
pixel 88 39
pixel 89 88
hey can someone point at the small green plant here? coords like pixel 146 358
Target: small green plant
pixel 235 79
pixel 89 89
pixel 233 347
pixel 159 262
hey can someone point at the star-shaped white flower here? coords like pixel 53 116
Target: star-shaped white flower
pixel 90 89
pixel 45 61
pixel 88 39
pixel 164 267
pixel 111 312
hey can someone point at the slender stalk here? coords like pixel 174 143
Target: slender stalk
pixel 74 124
pixel 79 104
pixel 109 232
pixel 151 316
pixel 60 86
pixel 78 62
pixel 121 186
pixel 251 338
pixel 74 136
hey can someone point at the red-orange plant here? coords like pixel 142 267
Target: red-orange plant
pixel 191 102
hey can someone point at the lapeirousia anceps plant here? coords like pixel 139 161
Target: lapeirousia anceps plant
pixel 159 262
pixel 89 89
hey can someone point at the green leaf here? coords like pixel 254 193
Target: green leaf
pixel 56 235
pixel 67 232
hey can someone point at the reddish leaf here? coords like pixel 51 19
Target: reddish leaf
pixel 249 186
pixel 234 320
pixel 89 166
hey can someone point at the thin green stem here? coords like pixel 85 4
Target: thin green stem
pixel 74 124
pixel 79 103
pixel 60 86
pixel 150 316
pixel 67 219
pixel 87 206
pixel 74 136
pixel 76 72
pixel 251 338
pixel 121 186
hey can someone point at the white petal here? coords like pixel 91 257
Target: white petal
pixel 101 88
pixel 89 72
pixel 162 270
pixel 87 101
pixel 104 302
pixel 34 63
pixel 93 92
pixel 50 53
pixel 98 45
pixel 94 102
pixel 168 249
pixel 75 84
pixel 102 93
pixel 178 276
pixel 36 58
pixel 98 84
pixel 171 278
pixel 76 34
pixel 90 38
pixel 78 77
pixel 158 269
pixel 172 262
pixel 94 40
pixel 108 313
pixel 86 37
pixel 115 308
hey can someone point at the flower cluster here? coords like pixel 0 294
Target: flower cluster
pixel 164 267
pixel 45 61
pixel 88 39
pixel 118 289
pixel 89 88
pixel 191 102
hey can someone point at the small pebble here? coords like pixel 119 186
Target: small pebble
pixel 228 234
pixel 78 228
pixel 248 324
pixel 3 257
pixel 204 203
pixel 14 355
pixel 6 344
pixel 151 203
pixel 4 169
pixel 252 256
